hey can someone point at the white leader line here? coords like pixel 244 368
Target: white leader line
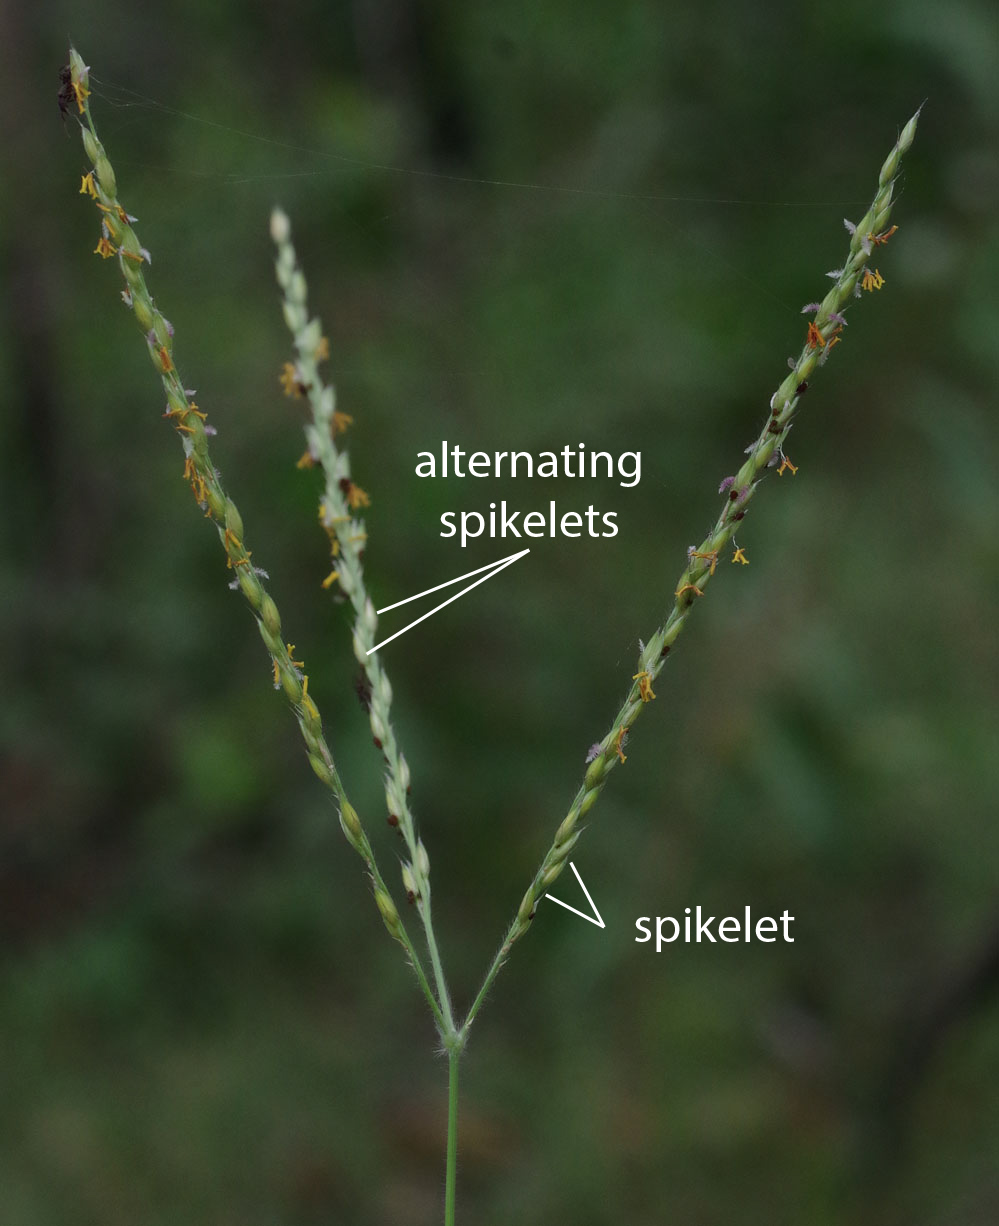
pixel 598 921
pixel 490 566
pixel 494 569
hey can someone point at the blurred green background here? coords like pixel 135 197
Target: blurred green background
pixel 201 1018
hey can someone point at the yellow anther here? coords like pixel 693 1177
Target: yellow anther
pixel 740 556
pixel 289 380
pixel 356 497
pixel 183 414
pixel 87 186
pixel 644 686
pixel 879 240
pixel 786 463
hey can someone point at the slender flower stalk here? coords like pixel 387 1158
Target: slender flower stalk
pixel 341 497
pixel 823 334
pixel 451 1169
pixel 118 238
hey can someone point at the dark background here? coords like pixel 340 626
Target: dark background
pixel 201 1018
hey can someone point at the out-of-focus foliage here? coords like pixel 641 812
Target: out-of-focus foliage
pixel 526 225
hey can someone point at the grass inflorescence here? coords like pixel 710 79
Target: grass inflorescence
pixel 347 536
pixel 118 240
pixel 342 498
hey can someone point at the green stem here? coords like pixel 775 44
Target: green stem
pixel 487 983
pixel 444 1023
pixel 450 1030
pixel 453 1056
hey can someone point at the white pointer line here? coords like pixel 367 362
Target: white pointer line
pixel 494 569
pixel 582 915
pixel 489 566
